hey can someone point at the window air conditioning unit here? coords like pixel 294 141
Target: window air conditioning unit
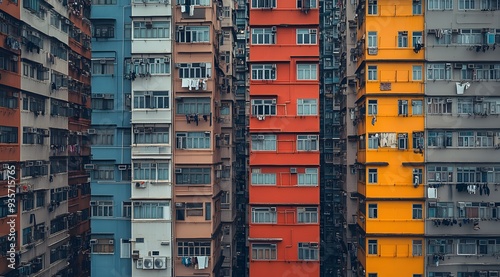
pixel 91 131
pixel 457 65
pixel 139 264
pixel 160 263
pixel 218 167
pixel 38 163
pixel 148 263
pixel 449 100
pixel 293 170
pixel 260 137
pixel 122 167
pixel 178 171
pixel 94 241
pixel 89 166
pixel 140 185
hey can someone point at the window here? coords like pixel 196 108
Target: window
pixel 151 171
pixel 264 215
pixel 103 66
pixel 417 73
pixel 307 143
pixel 441 210
pixel 264 251
pixel 127 209
pixel 149 66
pixel 307 36
pixel 467 247
pixel 373 141
pixel 403 107
pixel 440 139
pixel 193 140
pixel 40 198
pixel 417 247
pixel 263 72
pixel 102 104
pixel 184 210
pixel 484 139
pixel 193 34
pixel 263 36
pixel 308 251
pixel 416 107
pixel 440 246
pixel 8 134
pixel 27 235
pixel 372 73
pixel 34 135
pixel 151 100
pixel 372 7
pixel 193 248
pixel 402 141
pixel 417 211
pixel 193 105
pixel 372 176
pixel 308 178
pixel 307 71
pixel 306 4
pixel 417 10
pixel 102 245
pixel 440 4
pixel 151 210
pixel 372 247
pixel 151 29
pixel 372 107
pixel 151 135
pixel 466 175
pixel 208 211
pixel 307 215
pixel 466 139
pixel 439 105
pixel 104 172
pixel 489 246
pixel 417 176
pixel 468 5
pixel 438 72
pixel 103 208
pixel 403 39
pixel 264 4
pixel 125 249
pixel 263 142
pixel 465 106
pixel 194 70
pixel 372 40
pixel 259 178
pixel 103 136
pixel 307 107
pixel 104 30
pixel 193 176
pixel 263 107
pixel 439 174
pixel 417 38
pixel 372 210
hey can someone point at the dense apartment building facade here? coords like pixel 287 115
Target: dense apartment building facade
pixel 419 108
pixel 164 156
pixel 45 96
pixel 462 138
pixel 284 159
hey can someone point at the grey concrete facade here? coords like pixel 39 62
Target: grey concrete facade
pixel 462 150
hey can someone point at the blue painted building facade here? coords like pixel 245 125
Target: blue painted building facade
pixel 111 140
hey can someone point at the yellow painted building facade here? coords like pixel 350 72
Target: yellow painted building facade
pixel 390 124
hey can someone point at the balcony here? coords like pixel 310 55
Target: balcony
pixel 148 8
pixel 142 189
pixel 152 116
pixel 151 151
